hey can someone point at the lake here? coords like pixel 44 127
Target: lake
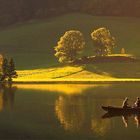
pixel 66 112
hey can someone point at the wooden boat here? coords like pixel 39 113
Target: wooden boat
pixel 111 109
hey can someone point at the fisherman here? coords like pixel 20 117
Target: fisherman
pixel 125 103
pixel 137 103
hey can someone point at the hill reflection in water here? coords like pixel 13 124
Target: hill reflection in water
pixel 62 88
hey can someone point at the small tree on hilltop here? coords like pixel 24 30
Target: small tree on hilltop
pixel 70 45
pixel 103 41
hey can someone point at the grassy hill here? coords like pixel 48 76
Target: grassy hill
pixel 32 43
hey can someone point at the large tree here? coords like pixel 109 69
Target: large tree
pixel 70 45
pixel 103 41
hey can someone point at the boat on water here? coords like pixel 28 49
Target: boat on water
pixel 112 109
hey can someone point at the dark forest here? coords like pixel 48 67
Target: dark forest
pixel 13 11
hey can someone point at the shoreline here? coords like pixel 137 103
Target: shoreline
pixel 94 81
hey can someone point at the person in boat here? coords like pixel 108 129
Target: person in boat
pixel 137 103
pixel 125 103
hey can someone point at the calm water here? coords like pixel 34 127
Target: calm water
pixel 66 112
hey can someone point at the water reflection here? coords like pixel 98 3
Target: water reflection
pixel 62 88
pixel 125 118
pixel 7 95
pixel 71 116
pixel 137 120
pixel 79 113
pixel 125 121
pixel 66 112
pixel 100 127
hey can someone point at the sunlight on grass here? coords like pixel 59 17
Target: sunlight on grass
pixel 51 73
pixel 61 73
pixel 89 75
pixel 69 74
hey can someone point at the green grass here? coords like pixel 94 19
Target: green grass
pixel 32 44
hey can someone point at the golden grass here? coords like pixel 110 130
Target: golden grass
pixel 67 73
pixel 45 74
pixel 60 73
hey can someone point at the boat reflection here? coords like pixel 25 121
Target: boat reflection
pixel 125 118
pixel 125 121
pixel 137 120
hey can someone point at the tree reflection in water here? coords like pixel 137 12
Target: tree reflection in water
pixel 80 113
pixel 70 112
pixel 101 127
pixel 7 94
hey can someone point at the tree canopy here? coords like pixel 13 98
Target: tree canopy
pixel 103 41
pixel 8 71
pixel 69 46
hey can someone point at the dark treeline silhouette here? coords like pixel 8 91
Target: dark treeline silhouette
pixel 12 11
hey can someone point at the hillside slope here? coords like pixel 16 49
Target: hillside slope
pixel 32 44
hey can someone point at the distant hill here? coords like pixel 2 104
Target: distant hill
pixel 15 11
pixel 32 43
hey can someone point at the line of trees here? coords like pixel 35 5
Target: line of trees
pixel 12 11
pixel 72 43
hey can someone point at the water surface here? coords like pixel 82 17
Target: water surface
pixel 66 112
